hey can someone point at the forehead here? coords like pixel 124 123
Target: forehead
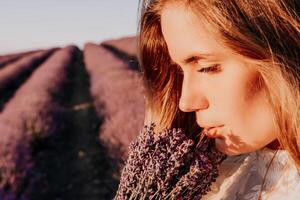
pixel 185 34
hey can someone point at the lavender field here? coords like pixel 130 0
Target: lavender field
pixel 67 117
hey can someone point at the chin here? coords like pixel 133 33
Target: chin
pixel 222 147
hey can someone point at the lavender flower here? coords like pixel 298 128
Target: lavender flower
pixel 168 165
pixel 33 112
pixel 116 92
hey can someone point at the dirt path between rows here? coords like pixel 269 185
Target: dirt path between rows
pixel 73 164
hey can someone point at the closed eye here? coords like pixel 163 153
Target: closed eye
pixel 211 69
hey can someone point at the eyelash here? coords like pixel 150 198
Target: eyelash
pixel 211 69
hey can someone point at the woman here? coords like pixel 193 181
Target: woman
pixel 231 68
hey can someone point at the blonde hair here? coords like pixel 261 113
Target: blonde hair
pixel 266 33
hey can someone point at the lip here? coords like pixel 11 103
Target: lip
pixel 211 127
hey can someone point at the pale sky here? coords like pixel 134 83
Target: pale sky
pixel 33 24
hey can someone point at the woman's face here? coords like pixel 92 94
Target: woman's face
pixel 227 95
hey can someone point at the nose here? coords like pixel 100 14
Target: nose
pixel 192 98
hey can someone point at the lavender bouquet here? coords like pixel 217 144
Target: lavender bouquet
pixel 168 165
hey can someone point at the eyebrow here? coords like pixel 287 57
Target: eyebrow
pixel 196 57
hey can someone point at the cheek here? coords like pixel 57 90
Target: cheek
pixel 247 116
pixel 235 98
pixel 256 116
pixel 246 104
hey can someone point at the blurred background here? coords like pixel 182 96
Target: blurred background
pixel 71 97
pixel 33 24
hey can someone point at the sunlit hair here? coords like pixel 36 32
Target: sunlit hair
pixel 266 33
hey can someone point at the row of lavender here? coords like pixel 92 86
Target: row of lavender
pixel 118 95
pixel 10 58
pixel 33 112
pixel 13 72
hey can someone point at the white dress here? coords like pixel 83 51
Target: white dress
pixel 241 177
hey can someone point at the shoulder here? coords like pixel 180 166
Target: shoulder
pixel 231 172
pixel 241 177
pixel 283 180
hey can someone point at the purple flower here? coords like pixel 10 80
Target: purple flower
pixel 168 165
